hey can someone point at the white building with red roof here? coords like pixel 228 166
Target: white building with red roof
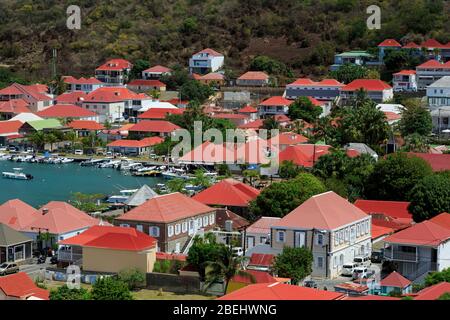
pixel 431 71
pixel 249 111
pixel 273 106
pixel 253 79
pixel 13 107
pixel 82 84
pixel 9 130
pixel 421 248
pixel 143 85
pixel 112 103
pixel 134 147
pixel 258 233
pixel 114 72
pixel 386 46
pixel 35 95
pixel 155 72
pixel 395 282
pixel 68 111
pixel 324 90
pixel 110 249
pixel 405 81
pixel 173 219
pixel 205 61
pixel 377 90
pixel 75 97
pixel 334 230
pixel 84 127
pixel 161 128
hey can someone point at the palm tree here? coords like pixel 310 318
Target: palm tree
pixel 37 139
pixel 225 269
pixel 251 175
pixel 50 138
pixel 200 179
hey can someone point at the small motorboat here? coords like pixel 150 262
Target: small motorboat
pixel 17 174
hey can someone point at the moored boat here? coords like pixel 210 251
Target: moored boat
pixel 17 174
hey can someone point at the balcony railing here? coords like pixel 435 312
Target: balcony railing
pixel 69 256
pixel 395 254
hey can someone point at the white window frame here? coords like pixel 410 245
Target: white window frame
pixel 170 231
pixel 212 219
pixel 177 229
pixel 320 265
pixel 199 222
pixel 281 233
pixel 184 227
pixel 140 227
pixel 124 225
pixel 153 231
pixel 336 239
pixel 319 236
pixel 205 221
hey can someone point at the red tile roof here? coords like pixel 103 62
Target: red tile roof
pixel 366 84
pixel 66 111
pixel 211 52
pixel 276 101
pixel 306 155
pixel 9 127
pixel 20 285
pixel 112 94
pixel 390 43
pixel 281 118
pixel 323 83
pixel 261 260
pixel 442 219
pixel 257 124
pixel 392 116
pixel 379 231
pixel 254 75
pixel 425 233
pixel 82 80
pixel 248 109
pixel 431 44
pixel 396 280
pixel 71 97
pixel 258 277
pixel 17 214
pixel 147 83
pixel 228 192
pixel 405 72
pixel 438 162
pixel 154 126
pixel 395 209
pixel 15 106
pixel 158 69
pixel 86 125
pixel 326 211
pixel 433 292
pixel 113 238
pixel 280 291
pixel 263 225
pixel 229 116
pixel 223 215
pixel 35 91
pixel 159 113
pixel 288 138
pixel 411 45
pixel 61 218
pixel 166 208
pixel 171 256
pixel 434 64
pixel 213 76
pixel 115 64
pixel 147 142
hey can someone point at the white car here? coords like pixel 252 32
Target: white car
pixel 238 251
pixel 2 148
pixel 362 261
pixel 348 268
pixel 78 152
pixel 362 273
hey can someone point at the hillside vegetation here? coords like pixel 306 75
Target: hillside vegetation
pixel 302 34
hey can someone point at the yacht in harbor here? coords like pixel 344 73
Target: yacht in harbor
pixel 120 199
pixel 17 174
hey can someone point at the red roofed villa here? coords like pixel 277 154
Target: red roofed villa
pixel 253 79
pixel 378 90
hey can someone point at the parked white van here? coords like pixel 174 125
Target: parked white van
pixel 362 261
pixel 348 268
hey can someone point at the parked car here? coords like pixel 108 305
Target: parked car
pixel 376 257
pixel 362 273
pixel 78 152
pixel 8 268
pixel 362 260
pixel 348 268
pixel 12 149
pixel 3 148
pixel 310 284
pixel 29 150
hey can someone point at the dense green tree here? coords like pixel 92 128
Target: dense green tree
pixel 176 79
pixel 204 250
pixel 280 198
pixel 394 177
pixel 270 66
pixel 445 296
pixel 415 119
pixel 110 288
pixel 304 109
pixel 396 60
pixel 430 196
pixel 64 293
pixel 349 72
pixel 288 170
pixel 133 277
pixel 139 66
pixel 294 263
pixel 415 143
pixel 437 277
pixel 194 90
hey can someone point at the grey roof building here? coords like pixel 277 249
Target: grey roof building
pixel 142 195
pixel 14 245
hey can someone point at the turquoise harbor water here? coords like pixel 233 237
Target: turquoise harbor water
pixel 58 181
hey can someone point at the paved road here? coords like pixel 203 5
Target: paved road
pixel 33 270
